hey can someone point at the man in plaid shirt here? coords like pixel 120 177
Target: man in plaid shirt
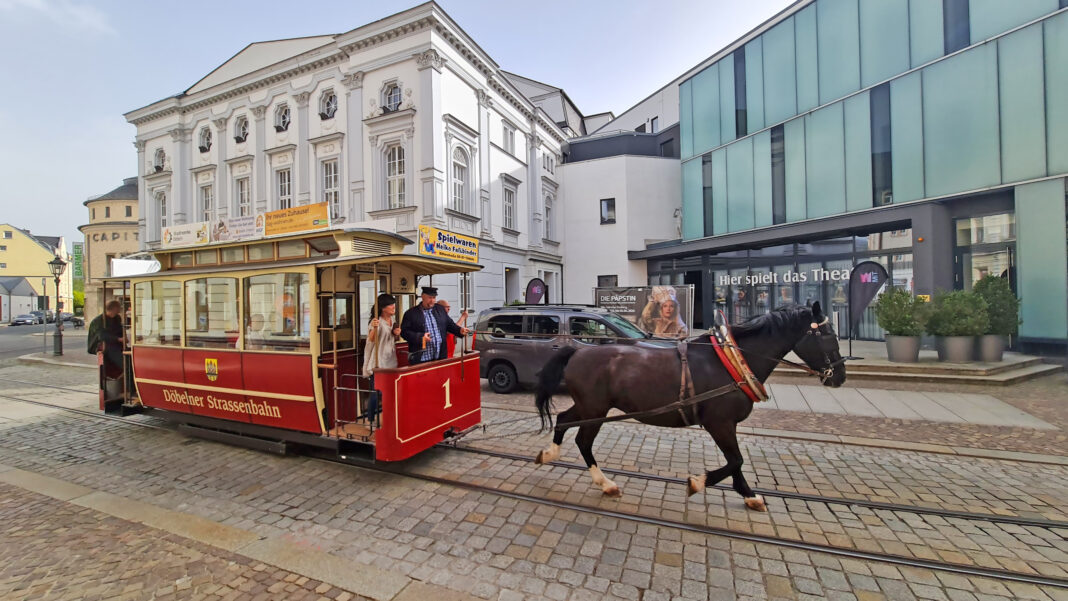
pixel 424 327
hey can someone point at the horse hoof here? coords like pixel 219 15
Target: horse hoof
pixel 694 485
pixel 540 459
pixel 756 503
pixel 612 491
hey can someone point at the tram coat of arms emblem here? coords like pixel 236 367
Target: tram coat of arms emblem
pixel 211 369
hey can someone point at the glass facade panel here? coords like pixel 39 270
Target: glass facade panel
pixel 960 124
pixel 988 229
pixel 825 176
pixel 884 40
pixel 1023 106
pixel 686 120
pixel 906 129
pixel 754 84
pixel 740 185
pixel 706 189
pixel 839 48
pixel 925 31
pixel 808 94
pixel 692 224
pixel 858 152
pixel 1042 272
pixel 706 110
pixel 794 141
pixel 727 118
pixel 991 17
pixel 780 85
pixel 1056 46
pixel 762 178
pixel 719 191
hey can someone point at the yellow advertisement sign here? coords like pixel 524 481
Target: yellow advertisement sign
pixel 294 220
pixel 447 245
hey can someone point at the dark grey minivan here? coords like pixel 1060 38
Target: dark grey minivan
pixel 516 341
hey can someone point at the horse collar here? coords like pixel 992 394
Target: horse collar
pixel 736 365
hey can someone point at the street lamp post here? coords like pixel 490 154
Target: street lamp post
pixel 56 266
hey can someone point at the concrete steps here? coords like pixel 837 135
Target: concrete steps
pixel 1015 368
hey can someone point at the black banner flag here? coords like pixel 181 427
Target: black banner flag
pixel 536 291
pixel 864 283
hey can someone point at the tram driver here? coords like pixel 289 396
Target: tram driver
pixel 424 328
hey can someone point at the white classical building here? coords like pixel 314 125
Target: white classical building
pixel 404 121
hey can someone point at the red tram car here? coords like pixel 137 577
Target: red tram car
pixel 261 343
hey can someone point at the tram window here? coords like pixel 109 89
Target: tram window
pixel 211 313
pixel 158 313
pixel 261 252
pixel 207 257
pixel 506 326
pixel 182 259
pixel 234 254
pixel 336 314
pixel 282 303
pixel 291 248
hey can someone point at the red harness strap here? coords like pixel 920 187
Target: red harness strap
pixel 752 387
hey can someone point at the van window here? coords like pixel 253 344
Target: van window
pixel 591 331
pixel 505 326
pixel 544 325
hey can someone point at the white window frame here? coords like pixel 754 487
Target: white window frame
pixel 241 129
pixel 392 97
pixel 508 137
pixel 282 117
pixel 243 195
pixel 161 209
pixel 207 202
pixel 549 227
pixel 466 287
pixel 327 104
pixel 283 187
pixel 159 159
pixel 461 170
pixel 508 201
pixel 205 139
pixel 330 174
pixel 394 158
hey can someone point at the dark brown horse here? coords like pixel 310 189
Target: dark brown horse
pixel 638 378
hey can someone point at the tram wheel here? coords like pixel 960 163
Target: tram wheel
pixel 502 378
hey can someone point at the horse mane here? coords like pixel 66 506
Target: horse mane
pixel 781 320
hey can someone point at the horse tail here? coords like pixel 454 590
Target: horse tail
pixel 548 381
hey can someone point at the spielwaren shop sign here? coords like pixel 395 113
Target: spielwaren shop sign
pixel 294 220
pixel 447 245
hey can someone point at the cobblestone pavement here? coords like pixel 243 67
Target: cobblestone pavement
pixel 54 550
pixel 499 548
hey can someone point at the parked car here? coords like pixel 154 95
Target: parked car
pixel 66 316
pixel 516 341
pixel 44 316
pixel 28 320
pixel 77 321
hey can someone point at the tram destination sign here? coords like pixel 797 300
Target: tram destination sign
pixel 447 245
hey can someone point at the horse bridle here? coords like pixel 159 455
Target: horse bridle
pixel 827 346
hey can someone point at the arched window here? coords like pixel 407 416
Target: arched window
pixel 159 159
pixel 205 139
pixel 281 117
pixel 327 104
pixel 458 199
pixel 394 176
pixel 391 98
pixel 241 129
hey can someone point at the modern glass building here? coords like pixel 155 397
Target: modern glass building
pixel 928 135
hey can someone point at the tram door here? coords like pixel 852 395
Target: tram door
pixel 339 342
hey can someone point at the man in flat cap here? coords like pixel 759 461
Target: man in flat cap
pixel 424 327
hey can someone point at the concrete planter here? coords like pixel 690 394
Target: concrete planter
pixel 955 349
pixel 903 349
pixel 991 348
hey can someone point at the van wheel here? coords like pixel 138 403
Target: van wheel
pixel 502 378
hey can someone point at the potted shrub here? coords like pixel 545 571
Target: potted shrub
pixel 1003 309
pixel 898 312
pixel 956 319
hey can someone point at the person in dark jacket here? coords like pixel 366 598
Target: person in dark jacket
pixel 424 328
pixel 105 334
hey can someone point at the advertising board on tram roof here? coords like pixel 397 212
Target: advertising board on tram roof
pixel 294 220
pixel 186 234
pixel 447 245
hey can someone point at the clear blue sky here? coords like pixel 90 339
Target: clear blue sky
pixel 71 68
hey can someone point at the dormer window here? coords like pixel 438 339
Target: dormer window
pixel 205 139
pixel 281 117
pixel 241 129
pixel 159 160
pixel 391 98
pixel 327 105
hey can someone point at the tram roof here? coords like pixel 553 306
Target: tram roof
pixel 419 264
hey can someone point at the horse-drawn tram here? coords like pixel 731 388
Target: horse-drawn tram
pixel 261 342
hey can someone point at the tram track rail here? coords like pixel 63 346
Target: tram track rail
pixel 766 492
pixel 841 552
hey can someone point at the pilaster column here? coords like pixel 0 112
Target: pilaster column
pixel 142 198
pixel 485 207
pixel 533 188
pixel 431 163
pixel 179 182
pixel 353 83
pixel 260 169
pixel 222 175
pixel 303 194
